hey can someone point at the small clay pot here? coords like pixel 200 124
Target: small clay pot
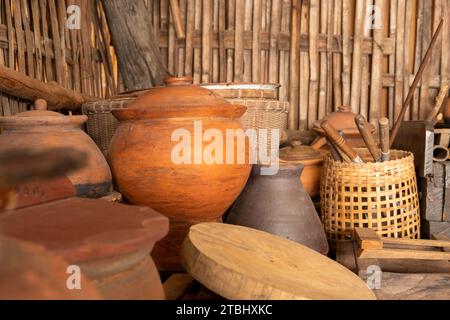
pixel 42 130
pixel 343 120
pixel 311 159
pixel 278 204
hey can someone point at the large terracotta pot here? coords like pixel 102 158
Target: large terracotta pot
pixel 278 204
pixel 187 192
pixel 311 159
pixel 42 130
pixel 344 120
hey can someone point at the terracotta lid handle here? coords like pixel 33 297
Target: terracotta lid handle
pixel 344 109
pixel 184 81
pixel 40 104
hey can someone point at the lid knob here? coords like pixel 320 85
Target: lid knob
pixel 296 143
pixel 183 81
pixel 40 104
pixel 344 109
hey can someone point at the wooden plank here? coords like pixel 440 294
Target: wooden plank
pixel 404 254
pixel 368 239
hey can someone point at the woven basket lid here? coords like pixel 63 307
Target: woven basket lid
pixel 41 117
pixel 179 98
pixel 343 119
pixel 298 153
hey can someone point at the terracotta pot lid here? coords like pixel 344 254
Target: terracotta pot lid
pixel 300 153
pixel 343 119
pixel 41 116
pixel 179 98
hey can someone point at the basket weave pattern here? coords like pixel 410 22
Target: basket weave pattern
pixel 101 124
pixel 381 196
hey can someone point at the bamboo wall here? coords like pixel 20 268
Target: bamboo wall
pixel 34 40
pixel 318 50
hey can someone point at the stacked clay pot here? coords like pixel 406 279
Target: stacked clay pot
pixel 188 192
pixel 42 130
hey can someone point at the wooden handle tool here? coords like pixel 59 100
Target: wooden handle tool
pixel 369 139
pixel 340 142
pixel 413 88
pixel 334 152
pixel 384 139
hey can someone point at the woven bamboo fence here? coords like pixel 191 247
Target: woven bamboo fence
pixel 35 40
pixel 320 51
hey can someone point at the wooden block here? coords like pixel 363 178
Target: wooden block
pixel 345 254
pixel 368 239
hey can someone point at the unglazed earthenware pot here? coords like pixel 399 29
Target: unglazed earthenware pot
pixel 42 130
pixel 343 120
pixel 278 204
pixel 156 131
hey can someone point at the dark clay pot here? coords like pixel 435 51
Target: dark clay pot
pixel 279 205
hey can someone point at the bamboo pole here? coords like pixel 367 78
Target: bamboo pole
pixel 314 25
pixel 337 57
pixel 294 77
pixel 304 71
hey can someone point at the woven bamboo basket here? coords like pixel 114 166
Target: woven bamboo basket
pixel 380 196
pixel 264 111
pixel 101 124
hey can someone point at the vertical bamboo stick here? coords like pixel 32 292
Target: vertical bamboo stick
pixel 346 55
pixel 329 30
pixel 355 98
pixel 399 58
pixel 304 70
pixel 426 40
pixel 189 50
pixel 294 75
pixel 314 25
pixel 231 26
pixel 273 41
pixel 377 71
pixel 206 41
pixel 197 51
pixel 171 42
pixel 37 37
pixel 222 50
pixel 239 42
pixel 11 39
pixel 418 57
pixel 337 57
pixel 265 23
pixel 215 50
pixel 19 36
pixel 28 37
pixel 365 69
pixel 284 55
pixel 407 58
pixel 445 61
pixel 323 80
pixel 247 75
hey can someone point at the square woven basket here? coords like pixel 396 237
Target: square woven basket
pixel 380 196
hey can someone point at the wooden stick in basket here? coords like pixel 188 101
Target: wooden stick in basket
pixel 413 88
pixel 340 142
pixel 384 139
pixel 333 150
pixel 439 102
pixel 369 139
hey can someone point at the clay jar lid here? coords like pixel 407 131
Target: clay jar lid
pixel 41 117
pixel 298 153
pixel 179 99
pixel 343 119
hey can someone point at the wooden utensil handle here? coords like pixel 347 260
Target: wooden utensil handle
pixel 340 142
pixel 364 129
pixel 384 139
pixel 176 15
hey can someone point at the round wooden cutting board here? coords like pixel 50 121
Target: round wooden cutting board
pixel 244 264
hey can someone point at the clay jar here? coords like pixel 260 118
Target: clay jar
pixel 311 159
pixel 144 157
pixel 278 204
pixel 43 130
pixel 343 120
